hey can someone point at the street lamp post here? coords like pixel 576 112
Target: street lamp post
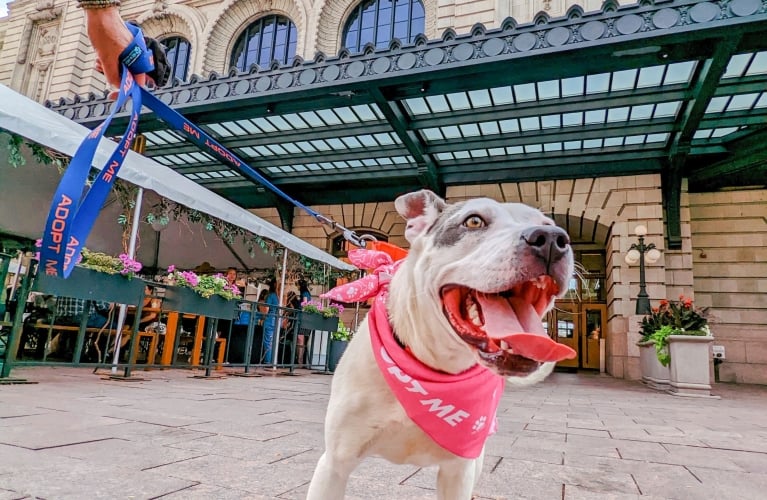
pixel 637 254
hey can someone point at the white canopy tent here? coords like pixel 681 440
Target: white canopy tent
pixel 29 119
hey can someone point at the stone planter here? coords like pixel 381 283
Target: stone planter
pixel 88 284
pixel 314 321
pixel 186 300
pixel 337 349
pixel 654 374
pixel 690 365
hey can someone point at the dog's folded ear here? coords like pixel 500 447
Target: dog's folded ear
pixel 420 209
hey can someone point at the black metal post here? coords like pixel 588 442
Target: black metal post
pixel 18 323
pixel 643 300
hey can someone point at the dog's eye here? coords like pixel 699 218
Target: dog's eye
pixel 474 222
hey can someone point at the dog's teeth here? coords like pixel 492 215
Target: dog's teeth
pixel 504 345
pixel 474 315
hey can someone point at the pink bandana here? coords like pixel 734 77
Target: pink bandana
pixel 456 411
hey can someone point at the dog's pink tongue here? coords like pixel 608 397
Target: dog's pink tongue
pixel 516 322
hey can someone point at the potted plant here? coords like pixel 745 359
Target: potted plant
pixel 339 340
pixel 681 338
pixel 318 316
pixel 654 374
pixel 97 276
pixel 210 296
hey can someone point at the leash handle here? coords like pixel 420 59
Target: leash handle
pixel 74 210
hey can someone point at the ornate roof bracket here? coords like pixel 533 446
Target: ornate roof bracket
pixel 285 210
pixel 671 185
pixel 749 162
pixel 397 118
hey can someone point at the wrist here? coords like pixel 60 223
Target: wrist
pixel 98 5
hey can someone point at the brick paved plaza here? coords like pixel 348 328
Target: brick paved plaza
pixel 74 435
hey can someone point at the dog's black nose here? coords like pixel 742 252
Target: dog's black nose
pixel 550 243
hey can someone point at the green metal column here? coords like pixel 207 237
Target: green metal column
pixel 15 337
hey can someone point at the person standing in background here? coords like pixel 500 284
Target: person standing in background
pixel 231 275
pixel 303 291
pixel 272 316
pixel 302 340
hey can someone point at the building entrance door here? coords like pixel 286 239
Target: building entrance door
pixel 567 330
pixel 580 327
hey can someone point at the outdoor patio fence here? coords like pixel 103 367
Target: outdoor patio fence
pixel 248 338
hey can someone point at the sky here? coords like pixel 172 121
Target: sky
pixel 3 8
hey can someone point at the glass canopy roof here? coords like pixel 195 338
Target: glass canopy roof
pixel 587 94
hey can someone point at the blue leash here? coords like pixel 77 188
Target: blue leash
pixel 74 210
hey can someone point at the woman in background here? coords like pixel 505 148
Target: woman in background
pixel 303 290
pixel 270 323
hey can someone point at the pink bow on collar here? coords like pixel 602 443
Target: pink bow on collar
pixel 368 286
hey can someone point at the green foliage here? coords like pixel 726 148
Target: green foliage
pixel 15 158
pixel 314 272
pixel 317 307
pixel 673 318
pixel 681 315
pixel 108 264
pixel 43 155
pixel 660 339
pixel 344 333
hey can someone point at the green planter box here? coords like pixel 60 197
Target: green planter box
pixel 314 321
pixel 337 349
pixel 186 300
pixel 88 284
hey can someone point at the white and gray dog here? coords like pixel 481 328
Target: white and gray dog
pixel 469 296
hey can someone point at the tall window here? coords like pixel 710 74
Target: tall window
pixel 379 21
pixel 267 39
pixel 178 50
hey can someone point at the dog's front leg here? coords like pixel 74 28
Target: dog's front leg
pixel 330 478
pixel 455 480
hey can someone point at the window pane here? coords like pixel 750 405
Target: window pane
pixel 378 21
pixel 267 39
pixel 177 51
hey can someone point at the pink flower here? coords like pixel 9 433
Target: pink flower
pixel 190 278
pixel 39 242
pixel 171 268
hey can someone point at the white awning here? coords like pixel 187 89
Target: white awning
pixel 22 116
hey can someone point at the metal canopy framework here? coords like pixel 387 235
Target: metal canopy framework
pixel 672 87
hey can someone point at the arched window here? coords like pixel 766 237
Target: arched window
pixel 267 39
pixel 178 51
pixel 379 21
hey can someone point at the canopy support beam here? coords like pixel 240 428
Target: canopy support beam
pixel 427 168
pixel 706 80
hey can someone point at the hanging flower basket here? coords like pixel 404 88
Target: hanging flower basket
pixel 186 300
pixel 89 284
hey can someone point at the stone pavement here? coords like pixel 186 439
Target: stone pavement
pixel 74 435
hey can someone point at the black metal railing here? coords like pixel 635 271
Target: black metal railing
pixel 258 337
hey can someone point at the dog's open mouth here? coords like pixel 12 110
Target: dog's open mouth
pixel 506 327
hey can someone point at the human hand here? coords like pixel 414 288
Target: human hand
pixel 109 38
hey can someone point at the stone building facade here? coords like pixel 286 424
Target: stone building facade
pixel 722 262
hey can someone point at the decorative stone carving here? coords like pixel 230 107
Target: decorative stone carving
pixel 44 15
pixel 160 8
pixel 48 38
